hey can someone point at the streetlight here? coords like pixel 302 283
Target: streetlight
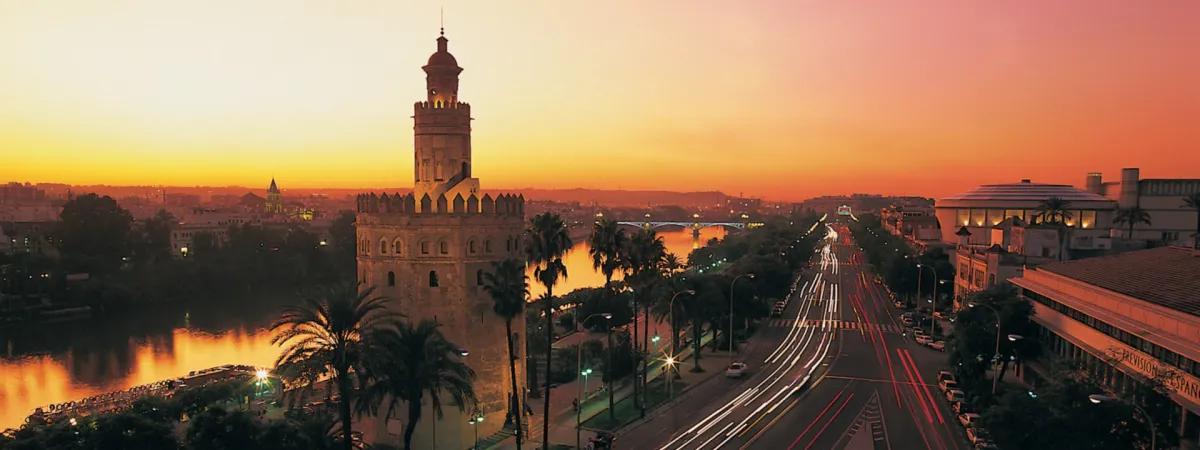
pixel 475 420
pixel 671 312
pixel 1011 337
pixel 920 277
pixel 579 368
pixel 670 363
pixel 748 275
pixel 1100 398
pixel 933 304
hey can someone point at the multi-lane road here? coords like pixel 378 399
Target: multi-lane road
pixel 835 371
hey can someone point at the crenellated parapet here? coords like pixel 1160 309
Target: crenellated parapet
pixel 509 205
pixel 442 105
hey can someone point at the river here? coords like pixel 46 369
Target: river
pixel 53 363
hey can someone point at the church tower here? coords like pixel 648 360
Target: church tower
pixel 428 251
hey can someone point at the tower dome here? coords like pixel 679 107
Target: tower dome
pixel 441 76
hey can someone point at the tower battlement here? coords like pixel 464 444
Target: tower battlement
pixel 408 204
pixel 441 105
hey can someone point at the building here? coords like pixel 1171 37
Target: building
pixel 15 193
pixel 205 221
pixel 986 206
pixel 427 251
pixel 915 224
pixel 1170 223
pixel 1125 319
pixel 274 203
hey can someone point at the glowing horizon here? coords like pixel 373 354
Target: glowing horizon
pixel 779 100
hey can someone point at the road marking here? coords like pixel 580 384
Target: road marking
pixel 770 424
pixel 872 380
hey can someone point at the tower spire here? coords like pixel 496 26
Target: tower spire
pixel 442 20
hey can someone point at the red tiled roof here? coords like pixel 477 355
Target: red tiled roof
pixel 1166 276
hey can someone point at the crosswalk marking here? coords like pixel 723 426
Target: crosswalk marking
pixel 837 324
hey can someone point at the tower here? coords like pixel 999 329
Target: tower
pixel 427 252
pixel 274 203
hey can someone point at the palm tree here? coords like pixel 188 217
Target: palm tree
pixel 417 361
pixel 548 242
pixel 1193 201
pixel 509 287
pixel 329 335
pixel 1053 211
pixel 644 254
pixel 1131 216
pixel 605 245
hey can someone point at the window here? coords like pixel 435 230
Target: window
pixel 433 279
pixel 425 248
pixel 977 217
pixel 471 246
pixel 443 247
pixel 995 216
pixel 383 246
pixel 964 216
pixel 508 245
pixel 1087 219
pixel 1170 236
pixel 479 277
pixel 487 246
pixel 1018 213
pixel 391 279
pixel 396 247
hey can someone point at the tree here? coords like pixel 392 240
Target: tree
pixel 94 231
pixel 153 238
pixel 330 335
pixel 644 253
pixel 548 242
pixel 343 239
pixel 605 245
pixel 973 344
pixel 218 429
pixel 1131 216
pixel 1193 201
pixel 509 287
pixel 417 361
pixel 1053 210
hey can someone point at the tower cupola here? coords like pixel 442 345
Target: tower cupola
pixel 441 76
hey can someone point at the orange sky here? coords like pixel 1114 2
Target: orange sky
pixel 785 99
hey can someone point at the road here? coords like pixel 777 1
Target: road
pixel 835 372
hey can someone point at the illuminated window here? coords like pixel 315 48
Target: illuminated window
pixel 964 216
pixel 1069 217
pixel 1087 219
pixel 1018 213
pixel 995 216
pixel 978 217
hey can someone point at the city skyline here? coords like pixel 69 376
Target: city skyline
pixel 964 94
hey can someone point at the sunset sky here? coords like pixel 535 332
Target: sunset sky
pixel 782 99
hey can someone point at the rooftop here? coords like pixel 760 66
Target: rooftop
pixel 1026 191
pixel 1165 276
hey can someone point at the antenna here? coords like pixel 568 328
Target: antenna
pixel 442 20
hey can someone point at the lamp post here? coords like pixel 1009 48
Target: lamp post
pixel 920 277
pixel 996 356
pixel 748 275
pixel 579 368
pixel 671 313
pixel 475 420
pixel 933 305
pixel 1099 398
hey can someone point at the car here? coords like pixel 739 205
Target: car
pixel 985 445
pixel 945 375
pixel 938 345
pixel 898 304
pixel 947 385
pixel 961 407
pixel 906 321
pixel 736 369
pixel 956 395
pixel 923 339
pixel 968 419
pixel 776 311
pixel 978 435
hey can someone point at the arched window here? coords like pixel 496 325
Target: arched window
pixel 397 247
pixel 425 247
pixel 383 246
pixel 471 246
pixel 479 277
pixel 433 280
pixel 391 279
pixel 443 247
pixel 508 245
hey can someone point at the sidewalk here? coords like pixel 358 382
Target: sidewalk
pixel 562 411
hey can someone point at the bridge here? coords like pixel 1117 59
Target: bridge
pixel 694 226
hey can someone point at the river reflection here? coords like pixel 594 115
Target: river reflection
pixel 67 361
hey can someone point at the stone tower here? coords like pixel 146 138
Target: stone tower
pixel 274 204
pixel 427 251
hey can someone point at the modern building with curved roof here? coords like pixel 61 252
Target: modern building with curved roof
pixel 982 208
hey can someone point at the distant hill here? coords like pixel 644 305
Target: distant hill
pixel 614 197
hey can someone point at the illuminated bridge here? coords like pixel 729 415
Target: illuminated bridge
pixel 694 226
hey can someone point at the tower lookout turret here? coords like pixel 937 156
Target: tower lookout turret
pixel 442 132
